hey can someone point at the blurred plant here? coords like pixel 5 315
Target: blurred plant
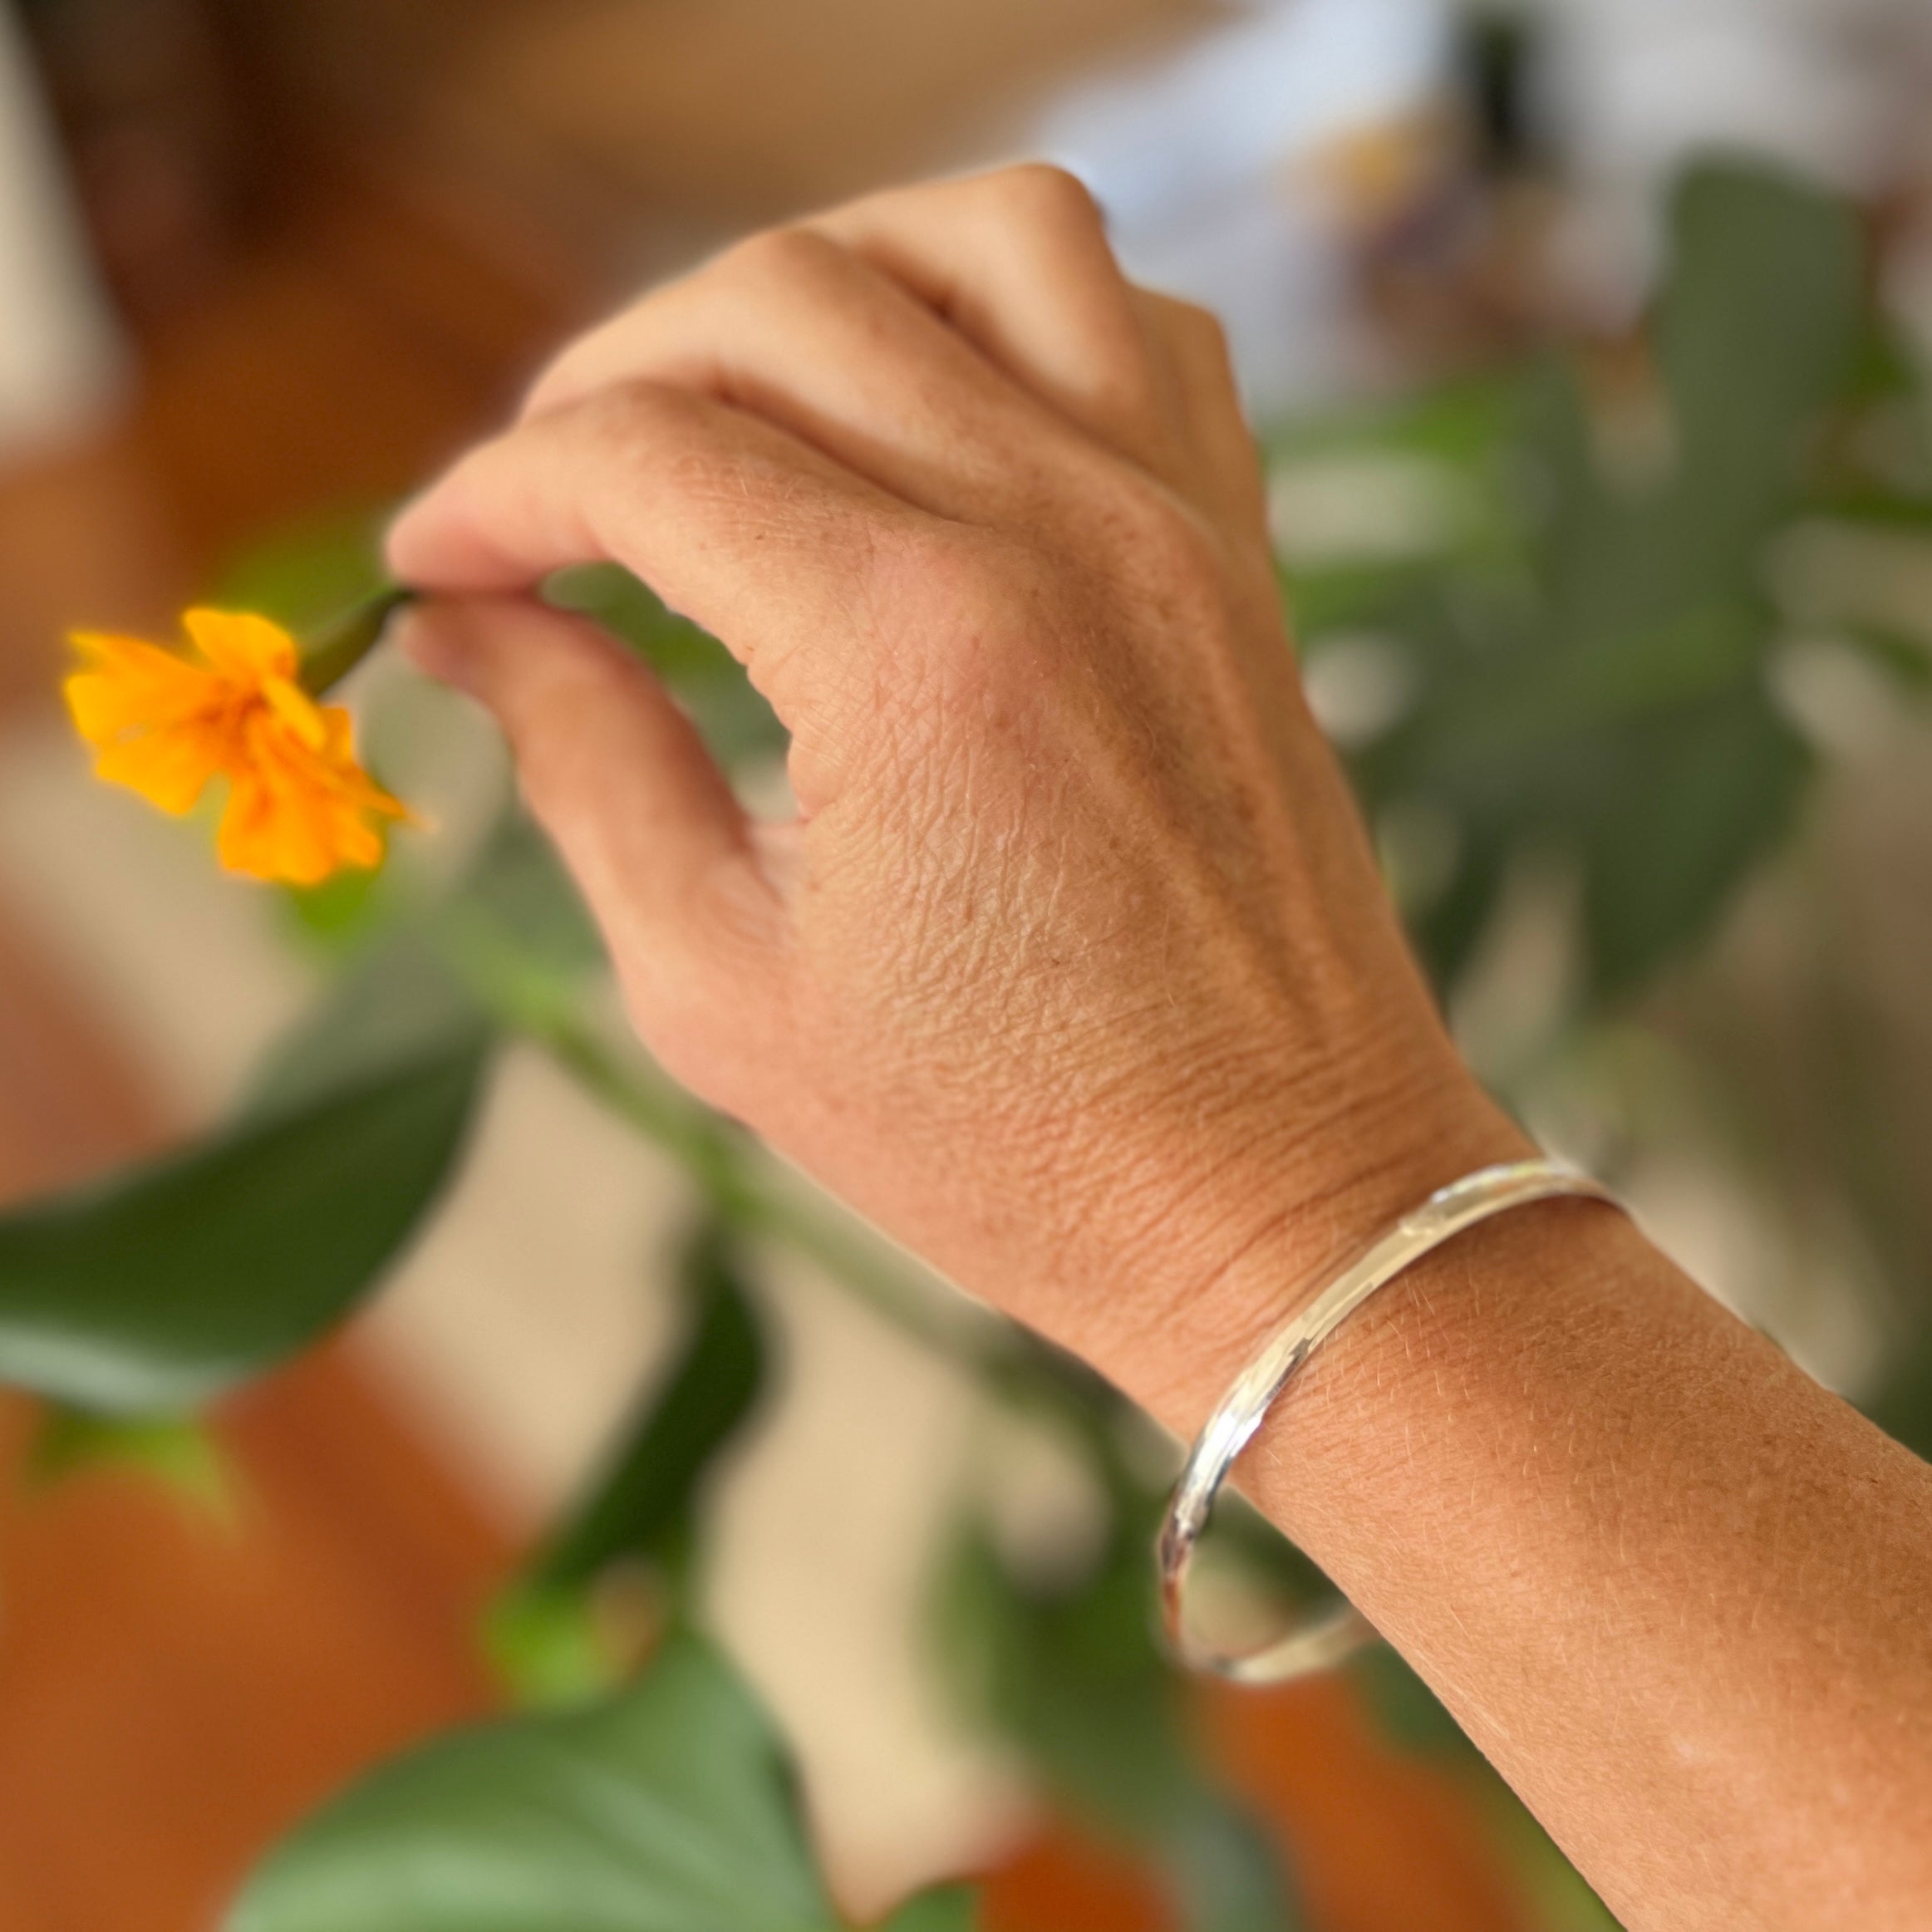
pixel 1565 663
pixel 1585 610
pixel 1534 605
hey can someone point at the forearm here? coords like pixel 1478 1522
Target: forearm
pixel 1675 1592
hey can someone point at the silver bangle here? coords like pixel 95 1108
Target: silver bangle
pixel 1328 1635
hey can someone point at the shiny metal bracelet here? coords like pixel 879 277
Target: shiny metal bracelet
pixel 1328 1635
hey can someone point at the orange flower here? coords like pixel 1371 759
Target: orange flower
pixel 164 723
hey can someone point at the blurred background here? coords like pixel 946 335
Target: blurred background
pixel 262 267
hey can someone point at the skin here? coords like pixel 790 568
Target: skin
pixel 1073 973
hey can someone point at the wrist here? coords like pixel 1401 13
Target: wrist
pixel 1307 1207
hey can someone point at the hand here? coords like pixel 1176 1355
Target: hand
pixel 1073 971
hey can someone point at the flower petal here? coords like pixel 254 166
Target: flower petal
pixel 297 711
pixel 170 768
pixel 298 814
pixel 245 843
pixel 339 750
pixel 131 686
pixel 241 647
pixel 272 834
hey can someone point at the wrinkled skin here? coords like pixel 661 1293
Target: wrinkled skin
pixel 1073 971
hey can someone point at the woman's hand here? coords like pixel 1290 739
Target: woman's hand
pixel 1073 971
pixel 1074 974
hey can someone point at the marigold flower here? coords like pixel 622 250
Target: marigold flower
pixel 164 723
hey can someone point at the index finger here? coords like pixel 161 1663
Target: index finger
pixel 763 541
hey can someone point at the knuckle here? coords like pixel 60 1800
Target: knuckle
pixel 1046 193
pixel 1195 332
pixel 555 382
pixel 777 258
pixel 1163 543
pixel 1205 327
pixel 619 410
pixel 570 373
pixel 622 419
pixel 1124 390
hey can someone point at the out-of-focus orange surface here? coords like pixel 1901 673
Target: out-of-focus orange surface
pixel 1066 1882
pixel 1380 1842
pixel 174 1691
pixel 1377 1842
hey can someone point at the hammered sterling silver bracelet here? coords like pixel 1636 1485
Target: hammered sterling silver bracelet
pixel 1328 1635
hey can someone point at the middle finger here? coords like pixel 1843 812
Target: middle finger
pixel 792 327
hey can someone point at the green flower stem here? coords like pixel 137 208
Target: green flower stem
pixel 959 1330
pixel 532 1004
pixel 1016 1370
pixel 721 1162
pixel 658 1110
pixel 334 649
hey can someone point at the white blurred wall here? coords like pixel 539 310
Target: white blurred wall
pixel 1205 161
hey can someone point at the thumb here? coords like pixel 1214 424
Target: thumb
pixel 619 778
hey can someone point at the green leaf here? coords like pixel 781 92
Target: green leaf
pixel 332 648
pixel 519 902
pixel 1226 1875
pixel 1338 600
pixel 1907 660
pixel 1743 401
pixel 176 1451
pixel 1408 1712
pixel 548 1634
pixel 645 1498
pixel 166 1285
pixel 1590 663
pixel 1758 330
pixel 1707 797
pixel 953 1910
pixel 552 1649
pixel 668 1809
pixel 1465 422
pixel 1890 511
pixel 397 1006
pixel 336 917
pixel 736 722
pixel 1902 1407
pixel 1447 933
pixel 1076 1679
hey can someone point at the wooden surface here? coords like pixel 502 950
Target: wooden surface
pixel 176 1690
